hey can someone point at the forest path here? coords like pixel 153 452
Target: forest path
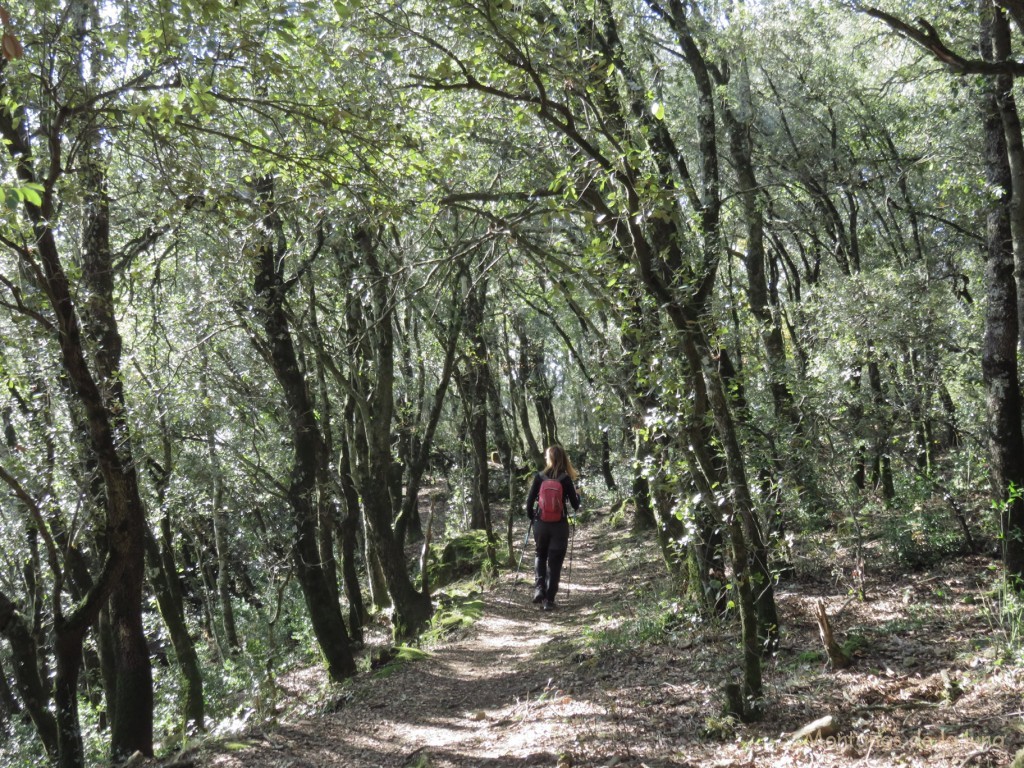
pixel 492 698
pixel 526 688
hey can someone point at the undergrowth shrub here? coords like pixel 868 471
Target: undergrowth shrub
pixel 19 745
pixel 922 535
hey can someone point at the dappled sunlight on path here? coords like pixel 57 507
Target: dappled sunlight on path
pixel 622 676
pixel 490 699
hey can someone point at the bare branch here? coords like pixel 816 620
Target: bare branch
pixel 926 36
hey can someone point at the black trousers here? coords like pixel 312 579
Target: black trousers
pixel 552 540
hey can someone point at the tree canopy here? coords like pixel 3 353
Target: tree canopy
pixel 277 277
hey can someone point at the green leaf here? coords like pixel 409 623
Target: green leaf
pixel 32 195
pixel 343 9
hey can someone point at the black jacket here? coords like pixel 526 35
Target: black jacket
pixel 569 491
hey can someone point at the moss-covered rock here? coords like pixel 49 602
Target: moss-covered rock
pixel 461 557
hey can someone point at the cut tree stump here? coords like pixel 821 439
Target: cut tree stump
pixel 837 658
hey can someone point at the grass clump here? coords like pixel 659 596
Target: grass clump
pixel 387 661
pixel 653 622
pixel 1004 612
pixel 454 615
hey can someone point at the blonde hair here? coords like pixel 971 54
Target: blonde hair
pixel 558 463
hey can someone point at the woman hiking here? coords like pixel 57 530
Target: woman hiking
pixel 545 506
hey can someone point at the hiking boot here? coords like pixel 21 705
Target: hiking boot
pixel 538 595
pixel 548 605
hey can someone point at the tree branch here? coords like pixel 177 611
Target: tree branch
pixel 926 36
pixel 38 518
pixel 493 197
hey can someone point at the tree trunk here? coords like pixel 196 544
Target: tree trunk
pixel 882 463
pixel 421 444
pixel 763 298
pixel 219 520
pixel 9 706
pixel 357 615
pixel 303 489
pixel 755 552
pixel 606 461
pixel 371 346
pixel 1000 344
pixel 1001 50
pixel 132 708
pixel 377 582
pixel 164 580
pixel 412 609
pixel 168 589
pixel 494 416
pixel 750 625
pixel 476 429
pixel 670 532
pixel 132 722
pixel 349 531
pixel 534 452
pixel 837 658
pixel 517 396
pixel 68 654
pixel 106 653
pixel 537 387
pixel 27 678
pixel 707 559
pixel 637 399
pixel 473 376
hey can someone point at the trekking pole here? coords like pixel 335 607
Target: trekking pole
pixel 521 556
pixel 572 540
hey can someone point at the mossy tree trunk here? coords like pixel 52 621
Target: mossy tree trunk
pixel 305 482
pixel 371 380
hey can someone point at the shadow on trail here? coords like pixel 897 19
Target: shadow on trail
pixel 492 699
pixel 476 701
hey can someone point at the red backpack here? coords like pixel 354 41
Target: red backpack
pixel 551 500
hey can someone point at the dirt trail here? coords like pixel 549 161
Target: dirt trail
pixel 494 698
pixel 522 690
